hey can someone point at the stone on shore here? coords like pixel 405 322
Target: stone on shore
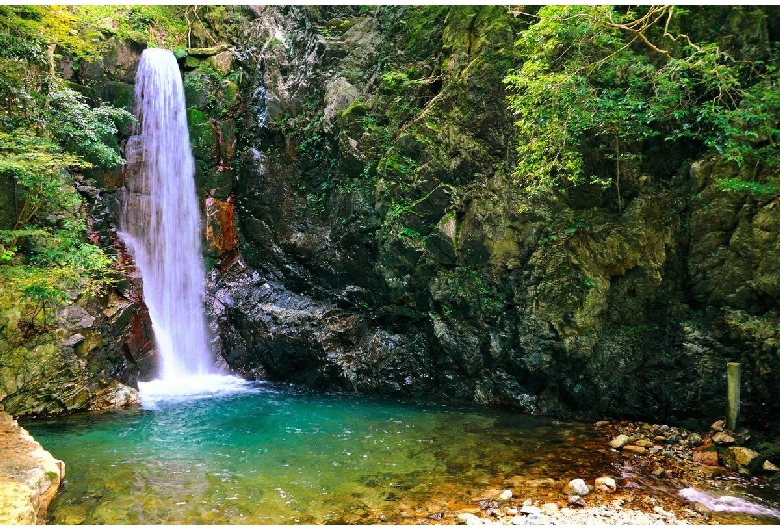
pixel 468 518
pixel 620 441
pixel 743 460
pixel 635 449
pixel 29 475
pixel 723 438
pixel 576 487
pixel 607 484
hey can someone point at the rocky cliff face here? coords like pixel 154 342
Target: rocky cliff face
pixel 86 352
pixel 383 247
pixel 363 231
pixel 89 350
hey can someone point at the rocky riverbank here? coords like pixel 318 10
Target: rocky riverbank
pixel 29 475
pixel 661 479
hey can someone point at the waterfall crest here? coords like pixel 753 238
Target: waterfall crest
pixel 160 218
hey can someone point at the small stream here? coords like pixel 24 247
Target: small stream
pixel 277 454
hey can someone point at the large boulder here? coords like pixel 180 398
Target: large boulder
pixel 743 460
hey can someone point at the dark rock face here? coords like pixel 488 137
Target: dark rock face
pixel 265 331
pixel 414 266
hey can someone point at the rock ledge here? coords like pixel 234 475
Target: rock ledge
pixel 29 475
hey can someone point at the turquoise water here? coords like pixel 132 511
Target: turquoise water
pixel 282 455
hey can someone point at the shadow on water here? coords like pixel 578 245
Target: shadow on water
pixel 281 455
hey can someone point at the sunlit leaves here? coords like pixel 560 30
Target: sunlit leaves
pixel 85 130
pixel 599 81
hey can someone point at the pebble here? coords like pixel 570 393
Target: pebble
pixel 684 451
pixel 723 438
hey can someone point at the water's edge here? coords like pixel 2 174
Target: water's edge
pixel 549 467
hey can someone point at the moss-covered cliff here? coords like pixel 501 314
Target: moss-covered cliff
pixel 366 228
pixel 386 246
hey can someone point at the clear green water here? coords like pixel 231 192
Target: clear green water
pixel 282 455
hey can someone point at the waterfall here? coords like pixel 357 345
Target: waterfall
pixel 160 219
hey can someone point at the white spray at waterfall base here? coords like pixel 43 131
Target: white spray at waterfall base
pixel 160 225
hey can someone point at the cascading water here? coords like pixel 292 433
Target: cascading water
pixel 160 222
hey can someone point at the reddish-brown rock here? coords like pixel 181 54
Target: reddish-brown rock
pixel 706 455
pixel 220 226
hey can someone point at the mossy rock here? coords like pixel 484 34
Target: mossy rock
pixel 197 88
pixel 119 94
pixel 204 143
pixel 193 63
pixel 196 117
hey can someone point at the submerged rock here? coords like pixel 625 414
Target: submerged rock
pixel 620 441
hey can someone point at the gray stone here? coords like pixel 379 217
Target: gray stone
pixel 223 62
pixel 694 439
pixel 75 317
pixel 339 95
pixel 73 340
pixel 505 495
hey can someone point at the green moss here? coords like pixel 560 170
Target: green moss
pixel 195 117
pixel 119 94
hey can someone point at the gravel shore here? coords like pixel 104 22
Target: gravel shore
pixel 655 463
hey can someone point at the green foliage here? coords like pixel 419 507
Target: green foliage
pixel 30 28
pixel 46 133
pixel 754 188
pixel 597 82
pixel 37 169
pixel 155 25
pixel 88 132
